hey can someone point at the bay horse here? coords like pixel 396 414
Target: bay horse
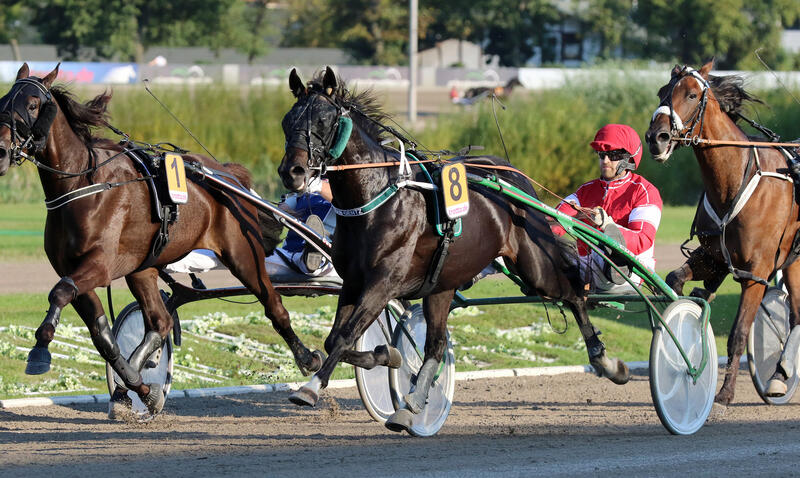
pixel 91 239
pixel 749 190
pixel 387 253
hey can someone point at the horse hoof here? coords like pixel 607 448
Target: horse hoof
pixel 155 399
pixel 400 421
pixel 613 369
pixel 723 399
pixel 776 388
pixel 413 404
pixel 395 359
pixel 317 359
pixel 38 361
pixel 304 396
pixel 120 405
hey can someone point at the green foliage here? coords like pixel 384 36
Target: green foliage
pixel 121 29
pixel 692 31
pixel 547 133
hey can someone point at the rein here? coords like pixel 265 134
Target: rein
pixel 696 140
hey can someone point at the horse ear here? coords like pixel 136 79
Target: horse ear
pixel 48 80
pixel 296 84
pixel 329 81
pixel 676 71
pixel 706 69
pixel 23 72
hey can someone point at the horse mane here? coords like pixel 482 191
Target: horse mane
pixel 368 112
pixel 730 94
pixel 82 117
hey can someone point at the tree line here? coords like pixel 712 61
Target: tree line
pixel 376 31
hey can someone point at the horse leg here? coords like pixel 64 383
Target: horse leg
pixel 352 320
pixel 436 309
pixel 90 309
pixel 613 369
pixel 64 292
pixel 157 324
pixel 245 259
pixel 752 294
pixel 787 365
pixel 700 266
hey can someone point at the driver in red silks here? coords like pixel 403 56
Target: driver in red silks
pixel 624 205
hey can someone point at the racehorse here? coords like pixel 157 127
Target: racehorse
pixel 388 253
pixel 474 94
pixel 99 227
pixel 748 190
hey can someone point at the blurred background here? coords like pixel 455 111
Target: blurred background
pixel 563 68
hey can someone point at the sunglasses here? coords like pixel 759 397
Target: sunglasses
pixel 616 155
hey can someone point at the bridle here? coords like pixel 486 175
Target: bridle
pixel 323 148
pixel 678 132
pixel 27 133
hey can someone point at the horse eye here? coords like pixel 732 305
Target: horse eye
pixel 32 106
pixel 692 96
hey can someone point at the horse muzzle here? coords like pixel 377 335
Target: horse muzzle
pixel 659 142
pixel 293 170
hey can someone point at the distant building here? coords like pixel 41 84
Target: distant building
pixel 456 53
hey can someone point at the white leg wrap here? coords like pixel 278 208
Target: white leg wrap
pixel 789 356
pixel 314 384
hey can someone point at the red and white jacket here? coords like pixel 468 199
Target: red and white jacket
pixel 632 202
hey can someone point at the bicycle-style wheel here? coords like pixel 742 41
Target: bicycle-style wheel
pixel 128 330
pixel 373 384
pixel 409 339
pixel 682 404
pixel 766 341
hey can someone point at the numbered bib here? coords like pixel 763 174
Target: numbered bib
pixel 454 190
pixel 176 178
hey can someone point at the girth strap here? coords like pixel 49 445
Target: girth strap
pixel 437 263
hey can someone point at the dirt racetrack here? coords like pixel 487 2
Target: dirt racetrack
pixel 566 425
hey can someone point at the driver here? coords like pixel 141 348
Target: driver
pixel 295 258
pixel 624 205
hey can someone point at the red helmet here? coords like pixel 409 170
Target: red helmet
pixel 619 136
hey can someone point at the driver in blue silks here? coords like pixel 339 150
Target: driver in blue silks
pixel 312 207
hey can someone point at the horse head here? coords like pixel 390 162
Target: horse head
pixel 311 128
pixel 27 112
pixel 680 112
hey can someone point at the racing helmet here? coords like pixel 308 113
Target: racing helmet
pixel 619 136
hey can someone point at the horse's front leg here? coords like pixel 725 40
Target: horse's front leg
pixel 157 325
pixel 752 294
pixel 351 322
pixel 700 266
pixel 437 308
pixel 63 293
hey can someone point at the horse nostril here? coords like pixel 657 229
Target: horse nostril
pixel 298 171
pixel 663 137
pixel 3 153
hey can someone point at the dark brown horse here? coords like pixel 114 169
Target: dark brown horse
pixel 388 252
pixel 91 239
pixel 755 229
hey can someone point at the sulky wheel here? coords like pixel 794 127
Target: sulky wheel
pixel 411 344
pixel 765 343
pixel 373 384
pixel 681 404
pixel 128 331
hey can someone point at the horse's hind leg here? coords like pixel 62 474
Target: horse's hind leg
pixel 245 259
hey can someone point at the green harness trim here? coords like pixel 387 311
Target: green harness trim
pixel 344 130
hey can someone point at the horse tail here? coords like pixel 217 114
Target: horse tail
pixel 271 229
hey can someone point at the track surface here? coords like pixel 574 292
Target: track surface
pixel 567 425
